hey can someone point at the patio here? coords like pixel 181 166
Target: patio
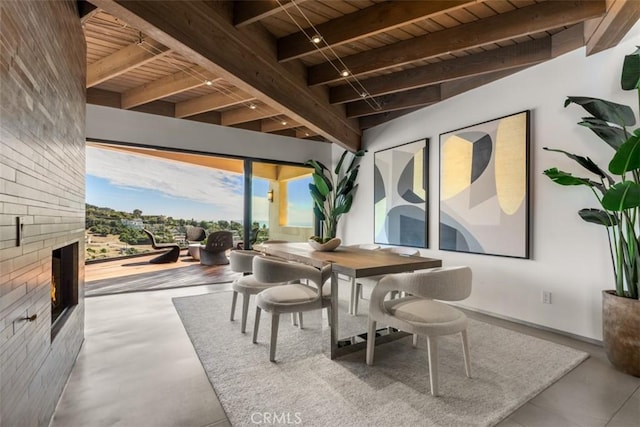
pixel 137 274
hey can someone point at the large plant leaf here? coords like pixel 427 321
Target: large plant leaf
pixel 613 135
pixel 621 196
pixel 356 155
pixel 585 162
pixel 319 213
pixel 605 110
pixel 339 166
pixel 630 79
pixel 343 207
pixel 319 167
pixel 565 178
pixel 321 184
pixel 627 158
pixel 318 198
pixel 598 216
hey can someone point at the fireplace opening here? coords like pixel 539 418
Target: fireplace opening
pixel 64 284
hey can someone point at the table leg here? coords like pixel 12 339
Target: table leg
pixel 334 314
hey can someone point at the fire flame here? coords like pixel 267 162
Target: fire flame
pixel 53 291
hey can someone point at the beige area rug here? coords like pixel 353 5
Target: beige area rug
pixel 306 388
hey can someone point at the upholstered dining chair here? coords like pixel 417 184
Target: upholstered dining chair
pixel 214 251
pixel 241 261
pixel 289 298
pixel 372 280
pixel 352 302
pixel 420 314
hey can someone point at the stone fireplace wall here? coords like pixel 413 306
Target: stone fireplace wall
pixel 42 176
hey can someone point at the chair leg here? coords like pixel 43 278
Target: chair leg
pixel 415 340
pixel 433 364
pixel 245 311
pixel 300 320
pixel 275 322
pixel 256 325
pixel 371 341
pixel 465 350
pixel 233 304
pixel 294 319
pixel 329 315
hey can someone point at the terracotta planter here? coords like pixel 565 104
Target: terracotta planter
pixel 621 332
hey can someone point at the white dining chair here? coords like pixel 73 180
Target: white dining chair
pixel 289 298
pixel 420 314
pixel 241 261
pixel 372 280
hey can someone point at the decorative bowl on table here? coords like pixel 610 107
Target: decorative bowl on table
pixel 324 246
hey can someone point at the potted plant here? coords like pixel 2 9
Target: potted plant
pixel 619 213
pixel 332 195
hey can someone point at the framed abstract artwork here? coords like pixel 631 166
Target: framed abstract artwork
pixel 400 195
pixel 484 188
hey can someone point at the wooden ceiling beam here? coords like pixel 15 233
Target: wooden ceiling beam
pixel 124 60
pixel 606 32
pixel 527 53
pixel 197 30
pixel 447 90
pixel 213 101
pixel 244 114
pixel 304 133
pixel 520 22
pixel 280 123
pixel 363 23
pixel 249 11
pixel 397 101
pixel 166 86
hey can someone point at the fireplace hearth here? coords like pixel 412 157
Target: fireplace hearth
pixel 64 284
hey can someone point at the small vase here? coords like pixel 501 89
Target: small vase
pixel 328 246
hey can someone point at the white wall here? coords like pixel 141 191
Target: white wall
pixel 113 124
pixel 569 257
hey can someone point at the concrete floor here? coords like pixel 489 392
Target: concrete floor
pixel 137 367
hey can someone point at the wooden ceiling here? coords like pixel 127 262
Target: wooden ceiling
pixel 251 64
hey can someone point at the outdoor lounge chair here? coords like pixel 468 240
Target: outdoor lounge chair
pixel 171 255
pixel 195 235
pixel 213 252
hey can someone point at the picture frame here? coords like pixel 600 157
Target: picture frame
pixel 484 187
pixel 400 194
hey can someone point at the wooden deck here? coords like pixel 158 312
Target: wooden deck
pixel 136 274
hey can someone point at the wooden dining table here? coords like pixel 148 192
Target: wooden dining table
pixel 354 263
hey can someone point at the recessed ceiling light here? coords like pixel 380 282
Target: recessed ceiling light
pixel 208 82
pixel 364 94
pixel 306 134
pixel 344 73
pixel 252 106
pixel 284 123
pixel 316 38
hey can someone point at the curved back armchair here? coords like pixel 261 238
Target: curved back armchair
pixel 288 298
pixel 242 262
pixel 419 314
pixel 171 255
pixel 372 280
pixel 213 252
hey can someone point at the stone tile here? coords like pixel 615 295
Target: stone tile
pixel 529 415
pixel 629 414
pixel 589 395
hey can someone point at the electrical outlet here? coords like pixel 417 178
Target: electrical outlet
pixel 546 297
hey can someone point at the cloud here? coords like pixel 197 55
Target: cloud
pixel 221 189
